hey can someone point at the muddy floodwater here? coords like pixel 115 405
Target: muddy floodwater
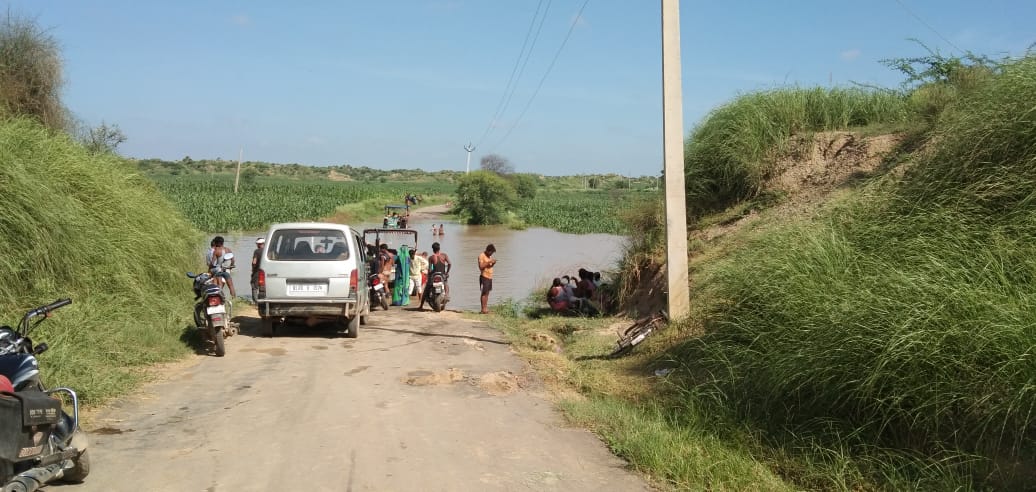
pixel 527 260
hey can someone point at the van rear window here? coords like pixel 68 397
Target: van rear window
pixel 307 245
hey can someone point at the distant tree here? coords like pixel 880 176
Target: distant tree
pixel 484 197
pixel 593 182
pixel 525 185
pixel 104 138
pixel 496 163
pixel 248 175
pixel 30 73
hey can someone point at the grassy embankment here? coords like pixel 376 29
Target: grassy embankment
pixel 883 344
pixel 209 202
pixel 87 226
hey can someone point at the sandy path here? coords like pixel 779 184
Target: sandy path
pixel 420 401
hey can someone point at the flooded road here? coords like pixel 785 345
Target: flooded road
pixel 527 260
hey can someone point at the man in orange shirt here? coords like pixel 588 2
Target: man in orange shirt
pixel 485 276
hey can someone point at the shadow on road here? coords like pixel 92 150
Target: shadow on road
pixel 431 334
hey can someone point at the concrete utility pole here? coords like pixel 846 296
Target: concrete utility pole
pixel 672 136
pixel 470 148
pixel 237 175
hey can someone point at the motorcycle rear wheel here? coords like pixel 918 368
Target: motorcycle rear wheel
pixel 440 303
pixel 217 338
pixel 384 302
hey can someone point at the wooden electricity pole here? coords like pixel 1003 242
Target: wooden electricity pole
pixel 672 136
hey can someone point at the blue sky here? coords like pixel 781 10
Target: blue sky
pixel 407 83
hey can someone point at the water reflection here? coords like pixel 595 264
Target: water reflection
pixel 527 260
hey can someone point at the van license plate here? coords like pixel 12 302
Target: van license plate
pixel 307 289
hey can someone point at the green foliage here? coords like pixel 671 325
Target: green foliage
pixel 582 212
pixel 484 197
pixel 902 319
pixel 729 156
pixel 935 81
pixel 159 168
pixel 30 72
pixel 87 226
pixel 210 204
pixel 525 185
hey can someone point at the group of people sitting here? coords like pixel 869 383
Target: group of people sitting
pixel 575 293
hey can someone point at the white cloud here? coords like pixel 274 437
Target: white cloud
pixel 241 19
pixel 850 55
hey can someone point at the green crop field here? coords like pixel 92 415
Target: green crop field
pixel 582 212
pixel 210 203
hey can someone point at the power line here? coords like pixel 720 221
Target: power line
pixel 929 26
pixel 550 67
pixel 512 81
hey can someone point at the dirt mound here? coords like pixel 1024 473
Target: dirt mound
pixel 337 176
pixel 814 164
pixel 499 383
pixel 809 169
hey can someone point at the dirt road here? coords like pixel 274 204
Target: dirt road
pixel 420 401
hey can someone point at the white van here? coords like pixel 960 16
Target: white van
pixel 313 271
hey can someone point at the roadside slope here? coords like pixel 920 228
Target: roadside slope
pixel 87 226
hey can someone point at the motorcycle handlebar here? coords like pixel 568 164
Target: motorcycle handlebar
pixel 42 311
pixel 60 303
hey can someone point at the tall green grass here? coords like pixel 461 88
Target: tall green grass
pixel 86 226
pixel 903 320
pixel 729 155
pixel 583 212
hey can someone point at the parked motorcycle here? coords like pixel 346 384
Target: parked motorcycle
pixel 378 294
pixel 39 441
pixel 438 295
pixel 212 311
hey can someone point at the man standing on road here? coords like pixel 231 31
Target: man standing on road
pixel 418 269
pixel 437 263
pixel 485 276
pixel 256 255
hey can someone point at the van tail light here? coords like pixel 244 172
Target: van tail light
pixel 354 281
pixel 261 281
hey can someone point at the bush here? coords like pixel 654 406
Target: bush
pixel 30 73
pixel 484 197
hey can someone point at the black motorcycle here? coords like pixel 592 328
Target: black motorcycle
pixel 211 314
pixel 39 441
pixel 378 294
pixel 438 296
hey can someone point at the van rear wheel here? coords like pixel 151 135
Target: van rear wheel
pixel 352 326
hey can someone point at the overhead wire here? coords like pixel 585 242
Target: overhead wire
pixel 543 79
pixel 519 67
pixel 929 26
